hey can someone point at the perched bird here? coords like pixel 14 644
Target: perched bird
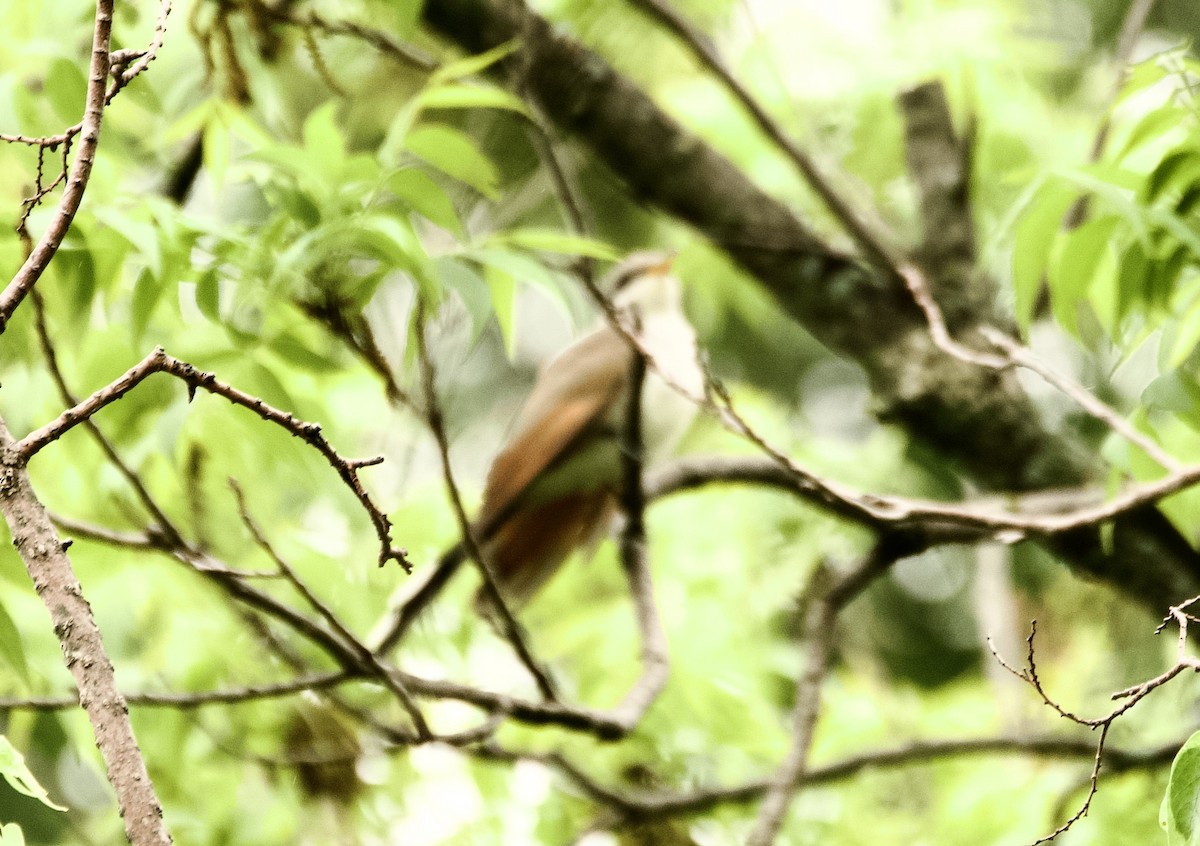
pixel 555 485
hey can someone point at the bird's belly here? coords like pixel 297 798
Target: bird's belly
pixel 666 415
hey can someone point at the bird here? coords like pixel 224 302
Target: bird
pixel 555 485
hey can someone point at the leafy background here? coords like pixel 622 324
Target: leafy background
pixel 339 177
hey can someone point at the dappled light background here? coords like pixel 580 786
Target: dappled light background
pixel 323 177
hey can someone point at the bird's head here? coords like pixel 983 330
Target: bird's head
pixel 643 281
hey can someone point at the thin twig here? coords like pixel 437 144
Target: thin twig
pixel 828 595
pixel 1089 402
pixel 164 524
pixel 368 659
pixel 1015 355
pixel 159 362
pixel 1130 696
pixel 39 259
pixel 181 701
pixel 655 656
pixel 508 623
pixel 1131 30
pixel 873 245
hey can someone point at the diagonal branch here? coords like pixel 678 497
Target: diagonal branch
pixel 159 362
pixel 39 259
pixel 508 623
pixel 829 595
pixel 878 251
pixel 977 418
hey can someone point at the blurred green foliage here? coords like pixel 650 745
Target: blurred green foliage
pixel 335 181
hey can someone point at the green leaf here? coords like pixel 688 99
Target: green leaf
pixel 458 96
pixel 79 273
pixel 147 291
pixel 1188 200
pixel 1141 76
pixel 1115 191
pixel 503 289
pixel 324 142
pixel 525 269
pixel 1152 126
pixel 424 196
pixel 1171 392
pixel 1072 270
pixel 1179 228
pixel 455 154
pixel 1180 810
pixel 289 160
pixel 1186 336
pixel 190 122
pixel 553 241
pixel 1164 273
pixel 262 381
pixel 1133 278
pixel 395 242
pixel 18 776
pixel 12 651
pixel 216 151
pixel 1033 239
pixel 208 295
pixel 292 349
pixel 141 234
pixel 471 65
pixel 66 89
pixel 1179 165
pixel 472 290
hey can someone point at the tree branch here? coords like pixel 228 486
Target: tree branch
pixel 976 417
pixel 159 362
pixel 45 558
pixel 39 259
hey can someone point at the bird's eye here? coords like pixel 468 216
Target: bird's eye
pixel 625 278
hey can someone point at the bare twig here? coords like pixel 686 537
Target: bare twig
pixel 1015 355
pixel 377 38
pixel 356 333
pixel 874 246
pixel 508 623
pixel 1130 696
pixel 654 653
pixel 229 696
pixel 145 57
pixel 631 808
pixel 827 596
pixel 361 652
pixel 159 362
pixel 1131 31
pixel 39 259
pixel 1089 402
pixel 164 524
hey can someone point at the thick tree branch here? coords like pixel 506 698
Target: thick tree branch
pixel 977 417
pixel 45 558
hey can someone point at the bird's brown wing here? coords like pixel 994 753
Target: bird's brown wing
pixel 572 392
